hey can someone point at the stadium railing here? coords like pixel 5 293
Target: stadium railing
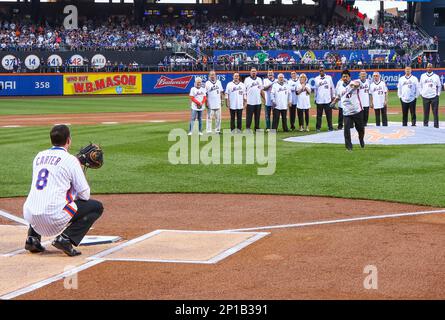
pixel 198 67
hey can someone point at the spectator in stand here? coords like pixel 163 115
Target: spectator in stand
pixel 119 33
pixel 343 61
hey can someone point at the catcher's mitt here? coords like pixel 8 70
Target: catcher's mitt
pixel 91 156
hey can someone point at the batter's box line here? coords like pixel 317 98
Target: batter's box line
pixel 45 282
pixel 13 217
pixel 101 256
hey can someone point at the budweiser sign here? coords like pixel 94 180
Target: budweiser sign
pixel 180 83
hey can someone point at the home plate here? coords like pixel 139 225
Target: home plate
pixel 181 246
pixel 95 240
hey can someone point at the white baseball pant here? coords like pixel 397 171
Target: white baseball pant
pixel 213 113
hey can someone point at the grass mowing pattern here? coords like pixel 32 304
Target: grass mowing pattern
pixel 59 105
pixel 136 161
pixel 54 105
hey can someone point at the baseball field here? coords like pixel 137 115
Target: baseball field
pixel 316 253
pixel 137 162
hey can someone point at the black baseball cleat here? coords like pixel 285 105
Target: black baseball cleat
pixel 65 245
pixel 362 143
pixel 33 245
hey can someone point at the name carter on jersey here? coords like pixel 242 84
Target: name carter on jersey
pixel 45 160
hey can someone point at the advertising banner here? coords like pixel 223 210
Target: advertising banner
pixel 308 56
pixel 31 85
pixel 149 83
pixel 102 83
pixel 172 83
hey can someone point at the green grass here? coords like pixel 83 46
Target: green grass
pixel 136 160
pixel 53 105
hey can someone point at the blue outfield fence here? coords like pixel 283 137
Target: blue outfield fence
pixel 167 83
pixel 31 85
pixel 172 83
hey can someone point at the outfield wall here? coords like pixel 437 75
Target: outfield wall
pixel 40 84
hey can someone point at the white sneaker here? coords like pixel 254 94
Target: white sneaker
pixel 190 133
pixel 200 133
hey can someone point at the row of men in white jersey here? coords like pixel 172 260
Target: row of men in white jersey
pixel 278 95
pixel 409 88
pixel 294 95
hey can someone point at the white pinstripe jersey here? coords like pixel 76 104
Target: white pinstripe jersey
pixel 363 93
pixel 350 100
pixel 293 84
pixel 213 90
pixel 253 90
pixel 57 179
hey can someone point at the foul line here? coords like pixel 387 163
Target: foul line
pixel 97 259
pixel 316 223
pixel 48 281
pixel 220 256
pixel 13 217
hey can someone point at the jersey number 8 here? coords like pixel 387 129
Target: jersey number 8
pixel 42 179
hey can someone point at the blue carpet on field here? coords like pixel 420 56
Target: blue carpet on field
pixel 394 134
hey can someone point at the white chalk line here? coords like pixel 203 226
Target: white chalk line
pixel 316 223
pixel 40 284
pixel 13 217
pixel 238 247
pixel 123 245
pixel 224 254
pixel 97 258
pixel 23 250
pixel 90 263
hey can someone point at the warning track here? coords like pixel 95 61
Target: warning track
pixel 93 118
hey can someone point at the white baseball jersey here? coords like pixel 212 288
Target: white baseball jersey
pixel 304 98
pixel 430 85
pixel 268 82
pixel 363 93
pixel 198 94
pixel 408 88
pixel 57 179
pixel 350 100
pixel 253 90
pixel 324 89
pixel 213 90
pixel 281 96
pixel 236 93
pixel 293 84
pixel 338 89
pixel 378 91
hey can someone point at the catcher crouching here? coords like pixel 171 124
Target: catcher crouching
pixel 59 203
